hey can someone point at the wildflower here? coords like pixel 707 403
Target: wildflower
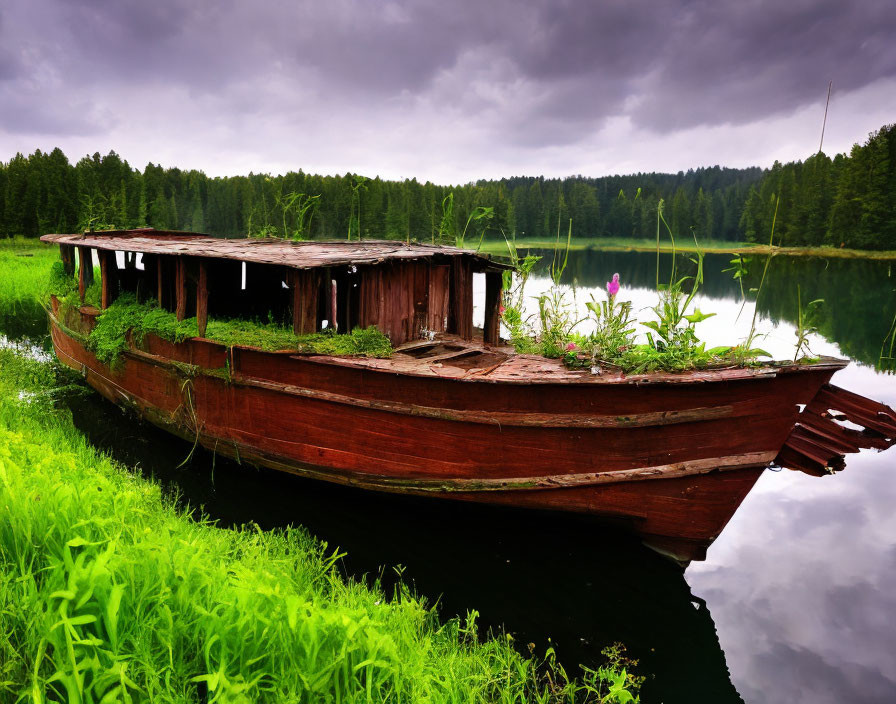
pixel 570 347
pixel 613 286
pixel 501 309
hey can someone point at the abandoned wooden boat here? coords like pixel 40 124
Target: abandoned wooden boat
pixel 452 413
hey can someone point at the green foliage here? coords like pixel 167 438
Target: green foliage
pixel 514 287
pixel 447 225
pixel 296 213
pixel 745 353
pixel 126 316
pixel 673 343
pixel 613 334
pixel 887 358
pixel 26 266
pixel 556 317
pixel 108 593
pixel 844 201
pixel 481 216
pixel 65 287
pixel 805 327
pixel 359 184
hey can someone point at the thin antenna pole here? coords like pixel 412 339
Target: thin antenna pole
pixel 824 122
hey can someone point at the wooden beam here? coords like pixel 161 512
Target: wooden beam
pixel 492 327
pixel 334 312
pixel 305 288
pixel 460 299
pixel 181 286
pixel 88 272
pixel 202 298
pixel 160 282
pixel 83 253
pixel 109 274
pixel 67 254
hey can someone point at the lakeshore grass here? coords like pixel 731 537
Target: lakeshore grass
pixel 25 266
pixel 108 593
pixel 622 244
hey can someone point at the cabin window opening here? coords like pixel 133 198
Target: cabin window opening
pixel 262 295
pixel 478 300
pixel 127 282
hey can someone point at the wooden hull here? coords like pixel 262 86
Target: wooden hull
pixel 671 461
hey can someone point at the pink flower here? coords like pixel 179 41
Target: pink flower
pixel 570 347
pixel 613 286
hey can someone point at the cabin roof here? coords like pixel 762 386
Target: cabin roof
pixel 298 255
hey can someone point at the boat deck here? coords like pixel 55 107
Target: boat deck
pixel 449 356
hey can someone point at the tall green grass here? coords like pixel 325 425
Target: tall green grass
pixel 24 273
pixel 108 593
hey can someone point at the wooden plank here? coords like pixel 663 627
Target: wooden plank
pixel 300 255
pixel 460 305
pixel 202 298
pixel 181 288
pixel 420 298
pixel 109 274
pixel 160 281
pixel 437 306
pixel 492 326
pixel 306 290
pixel 67 254
pixel 332 310
pixel 88 271
pixel 85 271
pixel 83 266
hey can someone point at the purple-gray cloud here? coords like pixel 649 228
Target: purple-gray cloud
pixel 518 77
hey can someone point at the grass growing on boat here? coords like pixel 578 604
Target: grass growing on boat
pixel 108 593
pixel 109 338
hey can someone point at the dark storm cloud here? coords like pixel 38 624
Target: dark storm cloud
pixel 547 72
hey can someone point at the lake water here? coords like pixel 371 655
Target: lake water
pixel 795 602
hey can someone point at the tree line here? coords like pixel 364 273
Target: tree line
pixel 844 201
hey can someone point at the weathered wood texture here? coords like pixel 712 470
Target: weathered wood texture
pixel 202 299
pixel 85 270
pixel 180 288
pixel 492 325
pixel 437 303
pixel 67 255
pixel 460 300
pixel 818 442
pixel 306 291
pixel 300 255
pixel 396 297
pixel 596 449
pixel 109 275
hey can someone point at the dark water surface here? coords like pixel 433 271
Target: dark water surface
pixel 796 601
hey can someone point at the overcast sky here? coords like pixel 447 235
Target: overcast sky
pixel 444 90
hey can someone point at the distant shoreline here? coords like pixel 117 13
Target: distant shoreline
pixel 498 248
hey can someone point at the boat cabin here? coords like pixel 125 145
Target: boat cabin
pixel 408 291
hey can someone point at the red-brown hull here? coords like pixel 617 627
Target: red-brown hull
pixel 646 455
